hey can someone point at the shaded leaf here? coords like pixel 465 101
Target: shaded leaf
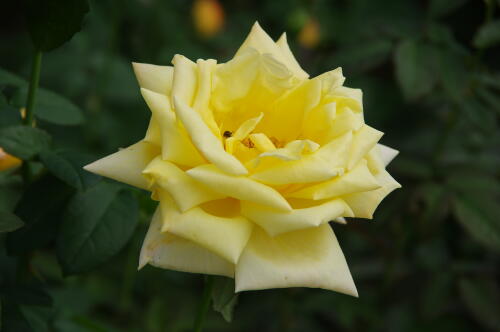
pixel 481 298
pixel 68 167
pixel 365 56
pixel 488 35
pixel 223 297
pixel 29 294
pixel 13 319
pixel 414 68
pixel 96 225
pixel 11 189
pixel 479 215
pixel 439 8
pixel 9 222
pixel 40 208
pixel 24 142
pixel 50 107
pixel 53 22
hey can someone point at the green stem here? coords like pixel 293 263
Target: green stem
pixel 204 305
pixel 35 78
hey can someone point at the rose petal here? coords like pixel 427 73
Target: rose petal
pixel 203 94
pixel 364 204
pixel 185 79
pixel 127 164
pixel 363 141
pixel 239 187
pixel 176 145
pixel 306 258
pixel 325 163
pixel 154 78
pixel 359 179
pixel 387 154
pixel 224 236
pixel 168 251
pixel 185 191
pixel 277 222
pixel 206 142
pixel 289 59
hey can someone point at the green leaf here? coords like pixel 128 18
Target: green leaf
pixel 414 68
pixel 51 107
pixel 68 167
pixel 481 298
pixel 24 142
pixel 438 8
pixel 53 22
pixel 13 319
pixel 29 294
pixel 479 215
pixel 97 224
pixel 7 77
pixel 9 222
pixel 11 189
pixel 223 297
pixel 40 208
pixel 365 56
pixel 488 35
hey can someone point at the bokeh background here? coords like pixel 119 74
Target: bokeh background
pixel 430 74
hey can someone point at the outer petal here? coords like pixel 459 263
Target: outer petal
pixel 239 187
pixel 203 94
pixel 226 237
pixel 387 154
pixel 359 179
pixel 185 79
pixel 153 77
pixel 306 258
pixel 325 163
pixel 185 191
pixel 127 164
pixel 168 251
pixel 258 39
pixel 206 142
pixel 277 222
pixel 289 59
pixel 363 141
pixel 364 204
pixel 176 145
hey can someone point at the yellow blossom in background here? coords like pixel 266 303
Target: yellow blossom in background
pixel 208 17
pixel 309 35
pixel 250 160
pixel 8 161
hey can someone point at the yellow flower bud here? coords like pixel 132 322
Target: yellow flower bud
pixel 8 161
pixel 309 35
pixel 208 17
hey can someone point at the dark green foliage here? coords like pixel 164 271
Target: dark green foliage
pixel 96 224
pixel 9 222
pixel 429 261
pixel 24 142
pixel 53 22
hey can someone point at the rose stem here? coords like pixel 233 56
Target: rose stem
pixel 204 305
pixel 30 103
pixel 35 78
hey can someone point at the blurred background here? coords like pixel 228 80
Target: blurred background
pixel 430 74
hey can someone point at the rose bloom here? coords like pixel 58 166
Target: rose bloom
pixel 250 160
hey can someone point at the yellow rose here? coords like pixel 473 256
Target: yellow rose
pixel 250 160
